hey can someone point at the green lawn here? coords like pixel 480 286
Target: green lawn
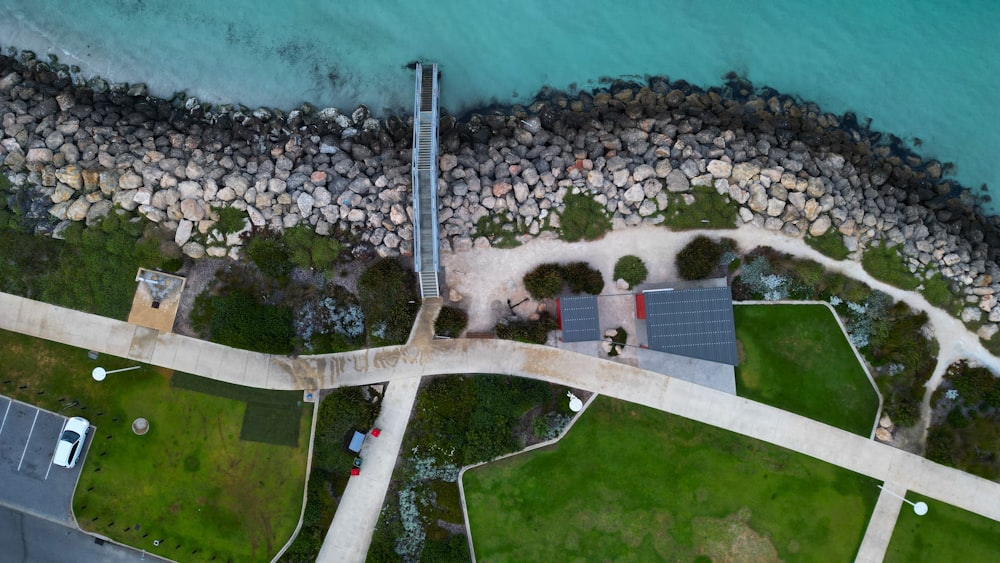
pixel 629 483
pixel 795 357
pixel 190 482
pixel 946 534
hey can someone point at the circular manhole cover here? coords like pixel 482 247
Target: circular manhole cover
pixel 140 426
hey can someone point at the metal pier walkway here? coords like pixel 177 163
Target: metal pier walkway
pixel 424 170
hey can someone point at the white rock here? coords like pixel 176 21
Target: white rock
pixel 971 314
pixel 305 203
pixel 77 211
pixel 634 195
pixel 256 217
pixel 193 249
pixel 820 226
pixel 142 197
pixel 183 233
pixel 720 168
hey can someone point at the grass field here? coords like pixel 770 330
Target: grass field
pixel 190 482
pixel 945 534
pixel 629 483
pixel 795 357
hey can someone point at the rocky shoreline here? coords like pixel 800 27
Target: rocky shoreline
pixel 75 149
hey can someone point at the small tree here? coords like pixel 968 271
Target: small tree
pixel 699 258
pixel 581 278
pixel 631 269
pixel 451 321
pixel 544 281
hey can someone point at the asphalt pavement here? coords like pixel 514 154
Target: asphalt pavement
pixel 29 481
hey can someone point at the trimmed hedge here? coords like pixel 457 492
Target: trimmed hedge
pixel 631 269
pixel 699 258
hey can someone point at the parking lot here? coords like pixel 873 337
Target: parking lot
pixel 28 480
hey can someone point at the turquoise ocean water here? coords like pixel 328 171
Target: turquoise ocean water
pixel 918 68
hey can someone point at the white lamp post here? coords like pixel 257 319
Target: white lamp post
pixel 100 373
pixel 919 508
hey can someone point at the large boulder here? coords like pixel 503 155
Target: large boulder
pixel 677 181
pixel 820 226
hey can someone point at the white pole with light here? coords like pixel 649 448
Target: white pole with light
pixel 919 507
pixel 100 373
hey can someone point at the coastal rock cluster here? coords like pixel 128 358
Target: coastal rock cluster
pixel 75 150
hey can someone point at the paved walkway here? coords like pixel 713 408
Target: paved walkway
pixel 429 357
pixel 881 525
pixel 357 514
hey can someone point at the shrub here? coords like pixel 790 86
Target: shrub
pixel 581 278
pixel 545 281
pixel 699 258
pixel 938 293
pixel 270 253
pixel 631 269
pixel 231 220
pixel 531 332
pixel 582 218
pixel 830 244
pixel 973 384
pixel 885 264
pixel 387 292
pixel 240 321
pixel 307 249
pixel 451 321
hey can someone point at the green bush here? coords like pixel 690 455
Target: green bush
pixel 531 332
pixel 699 258
pixel 631 269
pixel 710 210
pixel 241 321
pixel 581 278
pixel 582 218
pixel 231 220
pixel 830 244
pixel 938 293
pixel 618 341
pixel 544 281
pixel 973 384
pixel 307 249
pixel 885 264
pixel 451 321
pixel 388 295
pixel 269 252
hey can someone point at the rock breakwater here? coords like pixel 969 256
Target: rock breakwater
pixel 76 149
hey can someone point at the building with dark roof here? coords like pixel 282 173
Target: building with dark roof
pixel 691 321
pixel 578 318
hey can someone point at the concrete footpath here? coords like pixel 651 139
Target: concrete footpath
pixel 351 531
pixel 881 524
pixel 423 356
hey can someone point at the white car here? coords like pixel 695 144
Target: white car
pixel 71 442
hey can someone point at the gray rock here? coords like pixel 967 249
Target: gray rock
pixel 775 207
pixel 773 224
pixel 98 211
pixel 183 233
pixel 39 156
pixel 720 168
pixel 193 249
pixel 744 172
pixel 256 217
pixel 690 169
pixel 677 181
pixel 647 208
pixel 77 211
pixel 758 198
pixel 595 179
pixel 971 315
pixel 820 226
pixel 189 190
pixel 305 203
pixel 663 168
pixel 192 210
pixel 130 181
pixel 634 195
pixel 62 193
pixel 448 162
pixel 642 173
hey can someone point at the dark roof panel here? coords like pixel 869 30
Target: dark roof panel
pixel 578 316
pixel 692 322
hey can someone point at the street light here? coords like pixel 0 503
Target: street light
pixel 100 373
pixel 919 508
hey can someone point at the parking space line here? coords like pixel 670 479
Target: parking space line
pixel 29 439
pixel 5 413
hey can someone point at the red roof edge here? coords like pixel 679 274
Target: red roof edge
pixel 640 306
pixel 559 313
